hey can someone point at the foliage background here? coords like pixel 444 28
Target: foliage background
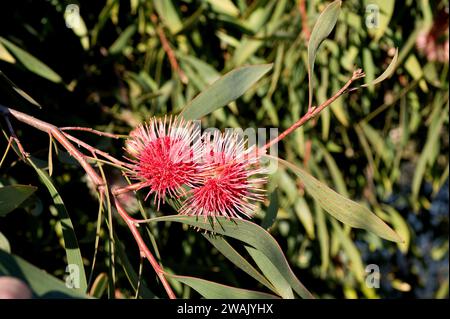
pixel 385 146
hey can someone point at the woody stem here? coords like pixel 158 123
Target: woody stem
pixel 314 111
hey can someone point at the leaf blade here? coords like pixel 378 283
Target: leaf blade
pixel 342 208
pixel 322 29
pixel 225 90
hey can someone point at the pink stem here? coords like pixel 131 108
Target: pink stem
pixel 314 111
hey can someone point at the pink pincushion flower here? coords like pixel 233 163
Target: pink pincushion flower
pixel 228 184
pixel 165 155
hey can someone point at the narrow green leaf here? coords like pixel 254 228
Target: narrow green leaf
pixel 31 63
pixel 213 290
pixel 383 17
pixel 5 55
pixel 41 283
pixel 224 7
pixel 400 226
pixel 225 90
pixel 6 82
pixel 304 215
pixel 341 208
pixel 130 273
pixel 271 272
pixel 169 15
pixel 324 239
pixel 4 243
pixel 271 212
pixel 387 73
pixel 122 40
pixel 352 252
pixel 229 252
pixel 99 286
pixel 70 239
pixel 251 234
pixel 12 196
pixel 50 156
pixel 432 139
pixel 322 29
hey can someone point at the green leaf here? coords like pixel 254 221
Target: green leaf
pixel 4 80
pixel 251 234
pixel 387 73
pixel 70 239
pixel 324 239
pixel 225 90
pixel 400 226
pixel 213 290
pixel 304 215
pixel 232 255
pixel 5 55
pixel 271 211
pixel 122 40
pixel 322 29
pixel 383 17
pixel 169 15
pixel 99 286
pixel 224 7
pixel 41 283
pixel 432 139
pixel 352 252
pixel 130 273
pixel 30 62
pixel 12 196
pixel 4 243
pixel 341 208
pixel 271 272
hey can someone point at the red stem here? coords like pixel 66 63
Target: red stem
pixel 143 249
pixel 90 130
pixel 315 110
pixel 62 138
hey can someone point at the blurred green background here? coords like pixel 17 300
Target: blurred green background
pixel 385 146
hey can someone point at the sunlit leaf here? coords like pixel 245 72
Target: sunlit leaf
pixel 251 234
pixel 341 208
pixel 31 63
pixel 322 29
pixel 225 90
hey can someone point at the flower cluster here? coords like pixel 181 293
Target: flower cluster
pixel 213 174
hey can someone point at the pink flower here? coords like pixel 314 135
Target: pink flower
pixel 434 43
pixel 228 184
pixel 165 155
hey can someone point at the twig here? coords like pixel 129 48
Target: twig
pixel 95 150
pixel 166 47
pixel 90 130
pixel 59 136
pixel 63 139
pixel 304 16
pixel 143 249
pixel 314 111
pixel 16 139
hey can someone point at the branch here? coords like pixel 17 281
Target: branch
pixel 64 138
pixel 90 130
pixel 59 136
pixel 166 47
pixel 314 111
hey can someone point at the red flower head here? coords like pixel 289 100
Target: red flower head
pixel 228 184
pixel 165 155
